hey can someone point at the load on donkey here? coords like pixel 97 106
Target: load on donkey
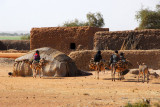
pixel 54 63
pixel 119 64
pixel 116 64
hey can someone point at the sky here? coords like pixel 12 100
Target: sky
pixel 23 15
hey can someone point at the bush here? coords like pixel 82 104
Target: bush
pixel 25 37
pixel 138 104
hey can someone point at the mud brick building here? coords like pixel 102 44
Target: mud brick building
pixel 149 57
pixel 64 39
pixel 140 39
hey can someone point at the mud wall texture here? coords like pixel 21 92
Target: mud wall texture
pixel 15 44
pixel 146 39
pixel 149 57
pixel 64 39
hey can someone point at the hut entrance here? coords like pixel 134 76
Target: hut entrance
pixel 73 46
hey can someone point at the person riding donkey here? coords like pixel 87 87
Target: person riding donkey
pixel 97 59
pixel 37 56
pixel 122 58
pixel 113 60
pixel 35 64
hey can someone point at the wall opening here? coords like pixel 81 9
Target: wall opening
pixel 72 46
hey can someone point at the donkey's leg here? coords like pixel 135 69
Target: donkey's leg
pixel 120 75
pixel 40 73
pixel 95 69
pixel 123 77
pixel 143 76
pixel 138 76
pixel 112 73
pixel 34 73
pixel 98 74
pixel 103 68
pixel 148 77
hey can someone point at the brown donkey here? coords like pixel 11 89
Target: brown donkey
pixel 99 66
pixel 37 66
pixel 143 71
pixel 121 68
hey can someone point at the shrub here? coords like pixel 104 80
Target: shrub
pixel 25 37
pixel 138 104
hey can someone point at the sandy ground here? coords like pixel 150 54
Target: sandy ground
pixel 84 91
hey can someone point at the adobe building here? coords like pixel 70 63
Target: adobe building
pixel 147 39
pixel 64 39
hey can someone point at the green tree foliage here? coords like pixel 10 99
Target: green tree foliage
pixel 149 19
pixel 75 22
pixel 25 37
pixel 93 19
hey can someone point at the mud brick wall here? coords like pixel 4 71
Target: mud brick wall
pixel 149 39
pixel 149 57
pixel 60 38
pixel 15 44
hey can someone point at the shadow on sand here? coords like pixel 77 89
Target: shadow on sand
pixel 131 80
pixel 124 80
pixel 111 79
pixel 53 77
pixel 81 74
pixel 156 83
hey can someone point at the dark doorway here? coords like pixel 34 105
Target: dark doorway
pixel 73 46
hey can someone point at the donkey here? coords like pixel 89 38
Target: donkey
pixel 144 72
pixel 119 67
pixel 37 66
pixel 100 66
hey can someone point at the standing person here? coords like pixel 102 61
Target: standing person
pixel 37 56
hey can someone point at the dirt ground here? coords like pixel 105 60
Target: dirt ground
pixel 84 91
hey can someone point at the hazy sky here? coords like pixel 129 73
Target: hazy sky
pixel 22 15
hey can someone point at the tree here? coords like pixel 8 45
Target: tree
pixel 25 37
pixel 75 22
pixel 149 19
pixel 93 19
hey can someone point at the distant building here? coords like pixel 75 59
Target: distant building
pixel 64 39
pixel 127 40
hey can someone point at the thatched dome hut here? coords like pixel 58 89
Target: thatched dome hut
pixel 58 64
